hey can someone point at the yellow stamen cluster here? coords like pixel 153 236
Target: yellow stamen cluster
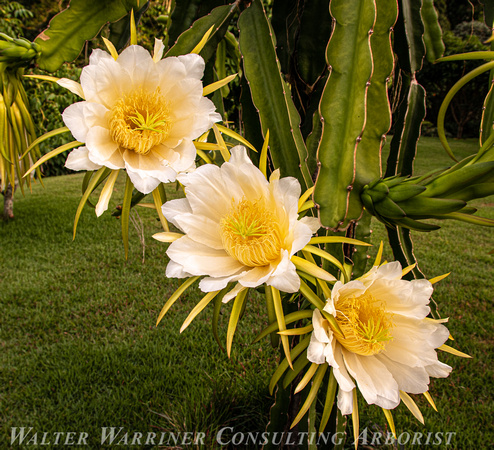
pixel 140 120
pixel 251 233
pixel 365 324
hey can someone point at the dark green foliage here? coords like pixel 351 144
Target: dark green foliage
pixel 12 16
pixel 463 117
pixel 47 101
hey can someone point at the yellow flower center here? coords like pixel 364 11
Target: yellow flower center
pixel 365 324
pixel 140 120
pixel 251 234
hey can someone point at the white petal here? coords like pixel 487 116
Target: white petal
pixel 374 380
pixel 72 86
pixel 142 182
pixel 287 192
pixel 102 149
pixel 158 50
pixel 285 277
pixel 105 82
pixel 319 331
pixel 339 369
pixel 148 170
pixel 194 65
pixel 315 350
pixel 201 229
pixel 233 293
pixel 413 380
pixel 97 55
pixel 80 117
pixel 256 276
pixel 390 271
pixel 210 284
pixel 185 155
pixel 171 71
pixel 345 401
pixel 302 234
pixel 173 208
pixel 312 222
pixel 78 159
pixel 174 270
pixel 199 259
pixel 438 370
pixel 206 191
pixel 138 63
pixel 243 178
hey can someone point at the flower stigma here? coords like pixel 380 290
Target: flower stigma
pixel 365 324
pixel 251 234
pixel 140 120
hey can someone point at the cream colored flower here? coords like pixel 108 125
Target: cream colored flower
pixel 238 227
pixel 140 113
pixel 388 344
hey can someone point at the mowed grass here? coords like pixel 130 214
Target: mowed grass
pixel 80 350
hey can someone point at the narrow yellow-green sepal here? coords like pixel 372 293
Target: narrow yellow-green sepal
pixel 91 186
pixel 274 338
pixel 325 288
pixel 43 78
pixel 391 422
pixel 323 254
pixel 408 269
pixel 355 419
pixel 221 143
pixel 206 146
pixel 298 366
pixel 238 307
pixel 311 269
pixel 51 154
pixel 412 406
pixel 307 377
pixel 235 136
pixel 133 29
pixel 197 309
pixel 197 49
pixel 329 402
pixel 217 85
pixel 439 278
pixel 175 296
pixel 312 393
pixel 218 303
pixel 283 366
pixel 203 156
pixel 280 318
pixel 303 198
pixel 289 318
pixel 167 236
pixel 158 202
pixel 297 331
pixel 44 137
pixel 307 205
pixel 263 160
pixel 428 396
pixel 125 217
pixel 311 296
pixel 453 351
pixel 111 48
pixel 379 255
pixel 106 193
pixel 337 240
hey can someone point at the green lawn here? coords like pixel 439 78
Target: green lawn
pixel 80 350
